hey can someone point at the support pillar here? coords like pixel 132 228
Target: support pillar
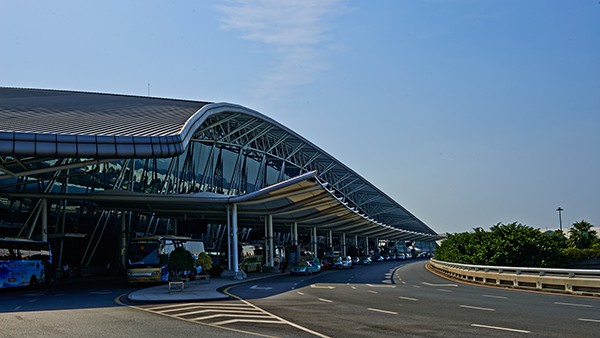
pixel 367 245
pixel 344 253
pixel 314 241
pixel 44 220
pixel 270 238
pixel 270 254
pixel 123 240
pixel 234 272
pixel 330 240
pixel 229 237
pixel 295 234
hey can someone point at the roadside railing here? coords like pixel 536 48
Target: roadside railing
pixel 573 281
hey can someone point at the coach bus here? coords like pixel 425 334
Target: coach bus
pixel 24 262
pixel 147 256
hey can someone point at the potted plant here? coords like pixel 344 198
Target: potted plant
pixel 205 262
pixel 180 261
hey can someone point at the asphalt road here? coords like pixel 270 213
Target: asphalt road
pixel 385 299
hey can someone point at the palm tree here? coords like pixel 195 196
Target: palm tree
pixel 581 235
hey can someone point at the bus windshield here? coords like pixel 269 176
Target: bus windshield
pixel 143 252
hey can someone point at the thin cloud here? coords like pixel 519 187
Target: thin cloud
pixel 296 29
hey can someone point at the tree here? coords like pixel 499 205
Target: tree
pixel 180 260
pixel 581 235
pixel 205 261
pixel 511 244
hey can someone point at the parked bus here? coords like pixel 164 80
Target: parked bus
pixel 147 256
pixel 24 262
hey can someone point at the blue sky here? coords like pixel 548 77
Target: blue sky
pixel 468 113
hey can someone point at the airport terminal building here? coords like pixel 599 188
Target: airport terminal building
pixel 90 171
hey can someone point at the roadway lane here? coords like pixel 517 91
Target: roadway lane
pixel 89 308
pixel 391 298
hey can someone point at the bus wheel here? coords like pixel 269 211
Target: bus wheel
pixel 33 281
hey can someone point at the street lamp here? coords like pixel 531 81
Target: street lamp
pixel 559 209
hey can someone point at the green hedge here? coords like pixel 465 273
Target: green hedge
pixel 511 244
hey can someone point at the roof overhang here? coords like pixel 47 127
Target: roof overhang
pixel 294 200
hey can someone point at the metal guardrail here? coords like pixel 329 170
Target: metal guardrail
pixel 573 281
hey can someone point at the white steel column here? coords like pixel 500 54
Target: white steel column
pixel 266 244
pixel 44 219
pixel 123 239
pixel 330 240
pixel 367 245
pixel 229 235
pixel 235 239
pixel 295 234
pixel 270 241
pixel 315 241
pixel 356 243
pixel 344 245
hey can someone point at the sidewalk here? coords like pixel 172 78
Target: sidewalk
pixel 196 290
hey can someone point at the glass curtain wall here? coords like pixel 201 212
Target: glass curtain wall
pixel 205 166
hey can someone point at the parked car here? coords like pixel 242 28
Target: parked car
pixel 318 267
pixel 355 260
pixel 347 263
pixel 251 264
pixel 365 260
pixel 401 256
pixel 304 268
pixel 335 262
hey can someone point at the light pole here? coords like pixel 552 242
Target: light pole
pixel 559 209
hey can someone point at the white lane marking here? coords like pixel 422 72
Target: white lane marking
pixel 187 306
pixel 497 297
pixel 158 308
pixel 300 293
pixel 573 304
pixel 315 286
pixel 443 290
pixel 431 284
pixel 382 311
pixel 500 328
pixel 231 321
pixel 219 315
pixel 416 286
pixel 241 311
pixel 256 287
pixel 325 300
pixel 589 320
pixel 371 291
pixel 208 308
pixel 354 287
pixel 477 308
pixel 381 286
pixel 408 298
pixel 33 300
pixel 18 308
pixel 314 333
